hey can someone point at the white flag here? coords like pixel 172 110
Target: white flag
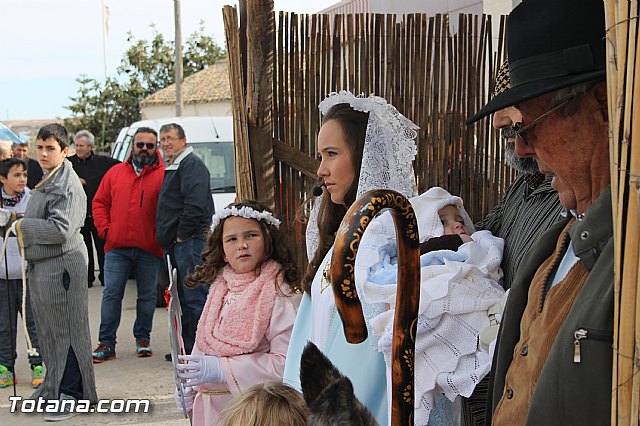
pixel 105 20
pixel 105 34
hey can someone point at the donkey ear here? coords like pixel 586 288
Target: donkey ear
pixel 338 405
pixel 316 373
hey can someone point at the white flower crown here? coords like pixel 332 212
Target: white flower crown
pixel 245 212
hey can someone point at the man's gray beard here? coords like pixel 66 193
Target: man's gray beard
pixel 521 164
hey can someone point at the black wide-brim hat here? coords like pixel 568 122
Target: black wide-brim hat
pixel 551 44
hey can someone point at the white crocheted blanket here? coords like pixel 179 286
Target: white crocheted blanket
pixel 456 289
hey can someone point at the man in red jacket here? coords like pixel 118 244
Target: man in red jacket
pixel 124 211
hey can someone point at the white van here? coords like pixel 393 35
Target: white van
pixel 211 139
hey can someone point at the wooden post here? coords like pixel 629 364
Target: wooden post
pixel 244 171
pixel 260 51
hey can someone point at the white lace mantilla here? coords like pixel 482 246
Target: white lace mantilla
pixel 389 148
pixel 388 153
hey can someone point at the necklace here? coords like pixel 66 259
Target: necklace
pixel 325 281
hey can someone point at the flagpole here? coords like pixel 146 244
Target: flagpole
pixel 105 34
pixel 178 58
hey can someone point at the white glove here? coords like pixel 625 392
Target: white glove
pixel 200 369
pixel 189 396
pixel 13 227
pixel 5 216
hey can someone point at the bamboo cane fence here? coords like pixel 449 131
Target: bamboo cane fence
pixel 435 78
pixel 623 66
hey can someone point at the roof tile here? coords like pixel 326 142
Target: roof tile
pixel 208 85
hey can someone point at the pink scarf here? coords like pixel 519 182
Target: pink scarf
pixel 246 319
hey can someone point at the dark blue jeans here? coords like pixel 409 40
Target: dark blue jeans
pixel 184 257
pixel 71 383
pixel 118 263
pixel 10 305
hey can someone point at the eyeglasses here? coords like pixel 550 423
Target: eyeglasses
pixel 148 145
pixel 169 139
pixel 518 130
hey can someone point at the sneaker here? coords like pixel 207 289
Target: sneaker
pixel 66 410
pixel 37 376
pixel 103 353
pixel 6 377
pixel 143 348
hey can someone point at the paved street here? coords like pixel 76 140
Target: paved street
pixel 123 378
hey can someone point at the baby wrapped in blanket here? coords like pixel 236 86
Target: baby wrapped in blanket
pixel 457 287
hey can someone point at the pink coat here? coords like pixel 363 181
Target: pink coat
pixel 240 372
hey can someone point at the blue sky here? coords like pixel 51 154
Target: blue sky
pixel 47 44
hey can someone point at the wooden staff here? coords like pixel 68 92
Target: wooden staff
pixel 343 283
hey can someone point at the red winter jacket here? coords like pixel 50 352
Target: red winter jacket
pixel 125 206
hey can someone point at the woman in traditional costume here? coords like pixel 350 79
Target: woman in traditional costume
pixel 364 144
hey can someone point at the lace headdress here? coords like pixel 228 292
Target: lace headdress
pixel 388 153
pixel 389 146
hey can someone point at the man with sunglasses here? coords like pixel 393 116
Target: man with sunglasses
pixel 124 209
pixel 91 168
pixel 553 360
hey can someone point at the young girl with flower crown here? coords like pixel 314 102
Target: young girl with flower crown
pixel 244 330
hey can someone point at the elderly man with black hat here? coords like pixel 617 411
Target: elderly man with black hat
pixel 529 207
pixel 554 356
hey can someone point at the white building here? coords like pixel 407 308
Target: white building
pixel 430 7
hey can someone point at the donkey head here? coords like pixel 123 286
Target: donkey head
pixel 328 393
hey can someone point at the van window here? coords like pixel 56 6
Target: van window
pixel 218 157
pixel 116 150
pixel 122 149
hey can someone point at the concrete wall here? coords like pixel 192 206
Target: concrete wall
pixel 189 110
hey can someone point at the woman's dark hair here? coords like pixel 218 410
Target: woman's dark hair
pixel 9 163
pixel 55 131
pixel 354 128
pixel 275 247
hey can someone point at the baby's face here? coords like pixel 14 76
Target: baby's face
pixel 452 222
